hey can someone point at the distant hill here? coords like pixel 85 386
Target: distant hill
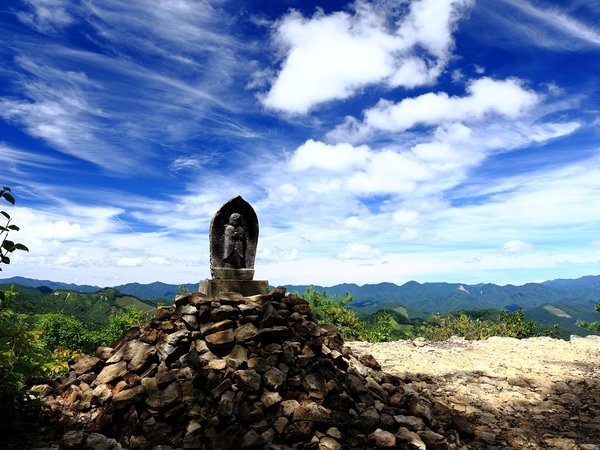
pixel 50 284
pixel 154 291
pixel 93 308
pixel 151 292
pixel 565 316
pixel 420 299
pixel 432 298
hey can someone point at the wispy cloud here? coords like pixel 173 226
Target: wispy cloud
pixel 159 75
pixel 530 23
pixel 46 15
pixel 559 22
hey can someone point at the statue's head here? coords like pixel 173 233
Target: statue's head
pixel 235 219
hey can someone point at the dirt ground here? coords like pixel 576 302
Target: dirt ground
pixel 532 393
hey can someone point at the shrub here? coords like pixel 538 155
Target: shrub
pixel 384 327
pixel 507 324
pixel 22 356
pixel 60 331
pixel 118 323
pixel 331 310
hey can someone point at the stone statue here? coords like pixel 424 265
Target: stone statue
pixel 233 239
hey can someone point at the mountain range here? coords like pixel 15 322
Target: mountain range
pixel 561 300
pixel 428 298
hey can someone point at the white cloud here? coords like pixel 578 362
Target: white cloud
pixel 158 260
pixel 388 171
pixel 359 251
pixel 129 262
pixel 409 234
pixel 69 259
pixel 432 166
pixel 405 217
pixel 337 158
pixel 485 96
pixel 329 57
pixel 277 254
pixel 516 246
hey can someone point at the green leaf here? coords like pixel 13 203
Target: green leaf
pixel 5 214
pixel 9 198
pixel 9 245
pixel 14 227
pixel 4 259
pixel 21 247
pixel 5 188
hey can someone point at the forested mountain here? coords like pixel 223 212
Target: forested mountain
pixel 93 309
pixel 432 298
pixel 419 298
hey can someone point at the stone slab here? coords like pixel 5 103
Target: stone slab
pixel 247 288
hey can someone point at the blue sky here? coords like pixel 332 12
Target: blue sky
pixel 428 140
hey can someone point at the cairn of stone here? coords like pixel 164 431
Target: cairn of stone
pixel 239 372
pixel 233 238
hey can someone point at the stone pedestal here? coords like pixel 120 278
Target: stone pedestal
pixel 213 288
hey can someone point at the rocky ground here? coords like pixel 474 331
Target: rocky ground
pixel 258 372
pixel 510 394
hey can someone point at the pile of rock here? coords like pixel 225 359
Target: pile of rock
pixel 240 372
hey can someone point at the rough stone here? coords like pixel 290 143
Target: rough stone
pixel 86 363
pixel 382 439
pixel 128 397
pixel 220 338
pixel 312 412
pixel 110 372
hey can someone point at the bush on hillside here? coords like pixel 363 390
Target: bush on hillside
pixel 332 310
pixel 58 330
pixel 383 329
pixel 507 324
pixel 118 323
pixel 592 326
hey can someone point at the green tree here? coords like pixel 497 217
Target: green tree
pixel 7 246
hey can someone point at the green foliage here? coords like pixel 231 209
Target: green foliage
pixel 384 327
pixel 331 310
pixel 119 322
pixel 22 356
pixel 58 330
pixel 183 289
pixel 506 324
pixel 592 326
pixel 7 246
